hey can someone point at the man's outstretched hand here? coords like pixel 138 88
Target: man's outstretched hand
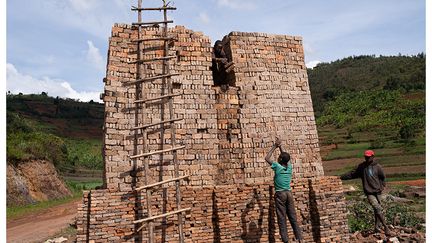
pixel 278 142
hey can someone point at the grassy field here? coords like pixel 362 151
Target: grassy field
pixel 85 153
pixel 401 160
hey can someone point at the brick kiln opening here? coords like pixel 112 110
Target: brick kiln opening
pixel 222 64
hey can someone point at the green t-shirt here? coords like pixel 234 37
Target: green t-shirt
pixel 282 177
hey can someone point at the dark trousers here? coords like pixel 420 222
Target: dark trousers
pixel 285 207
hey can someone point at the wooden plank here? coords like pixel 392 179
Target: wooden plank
pixel 154 23
pixel 151 9
pixel 161 215
pixel 157 123
pixel 151 78
pixel 157 98
pixel 161 182
pixel 153 59
pixel 157 152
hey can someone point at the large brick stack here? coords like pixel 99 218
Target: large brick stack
pixel 226 213
pixel 227 130
pixel 275 101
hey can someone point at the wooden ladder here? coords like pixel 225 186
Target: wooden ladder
pixel 140 103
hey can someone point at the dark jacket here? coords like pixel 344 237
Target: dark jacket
pixel 372 177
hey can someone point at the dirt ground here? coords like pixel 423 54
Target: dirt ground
pixel 37 227
pixel 419 182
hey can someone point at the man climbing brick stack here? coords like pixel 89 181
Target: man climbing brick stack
pixel 283 197
pixel 372 176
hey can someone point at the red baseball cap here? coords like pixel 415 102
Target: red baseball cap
pixel 369 153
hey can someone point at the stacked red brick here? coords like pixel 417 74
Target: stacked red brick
pixel 226 130
pixel 275 101
pixel 198 130
pixel 228 213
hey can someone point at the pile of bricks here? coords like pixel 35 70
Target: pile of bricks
pixel 227 213
pixel 275 101
pixel 237 124
pixel 227 131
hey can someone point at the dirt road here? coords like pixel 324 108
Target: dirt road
pixel 37 227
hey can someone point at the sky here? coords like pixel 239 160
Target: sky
pixel 60 46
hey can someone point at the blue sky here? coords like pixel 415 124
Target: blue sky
pixel 60 46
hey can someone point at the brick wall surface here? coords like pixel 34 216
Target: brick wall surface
pixel 224 213
pixel 227 131
pixel 275 101
pixel 198 130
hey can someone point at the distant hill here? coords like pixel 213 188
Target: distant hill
pixel 365 73
pixel 66 132
pixel 63 117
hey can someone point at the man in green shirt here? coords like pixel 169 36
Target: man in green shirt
pixel 283 197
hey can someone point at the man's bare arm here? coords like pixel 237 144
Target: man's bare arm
pixel 278 143
pixel 269 154
pixel 280 148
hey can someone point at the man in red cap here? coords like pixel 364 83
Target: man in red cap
pixel 372 176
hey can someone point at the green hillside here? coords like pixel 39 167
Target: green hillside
pixel 64 131
pixel 370 102
pixel 64 117
pixel 365 73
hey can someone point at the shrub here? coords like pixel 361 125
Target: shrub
pixel 361 215
pixel 407 132
pixel 36 145
pixel 379 110
pixel 377 144
pixel 24 142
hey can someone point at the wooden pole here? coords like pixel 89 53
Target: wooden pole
pixel 162 215
pixel 161 182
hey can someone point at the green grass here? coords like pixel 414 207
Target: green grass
pixel 343 170
pixel 389 177
pixel 342 154
pixel 404 160
pixel 85 153
pixel 391 148
pixel 16 212
pixel 76 188
pixel 419 149
pixel 353 146
pixel 405 176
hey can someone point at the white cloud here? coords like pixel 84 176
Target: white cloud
pixel 17 82
pixel 312 64
pixel 204 17
pixel 237 4
pixel 308 49
pixel 94 56
pixel 81 5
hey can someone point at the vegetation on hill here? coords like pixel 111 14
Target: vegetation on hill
pixel 377 103
pixel 387 112
pixel 63 131
pixel 370 102
pixel 365 73
pixel 25 142
pixel 64 117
